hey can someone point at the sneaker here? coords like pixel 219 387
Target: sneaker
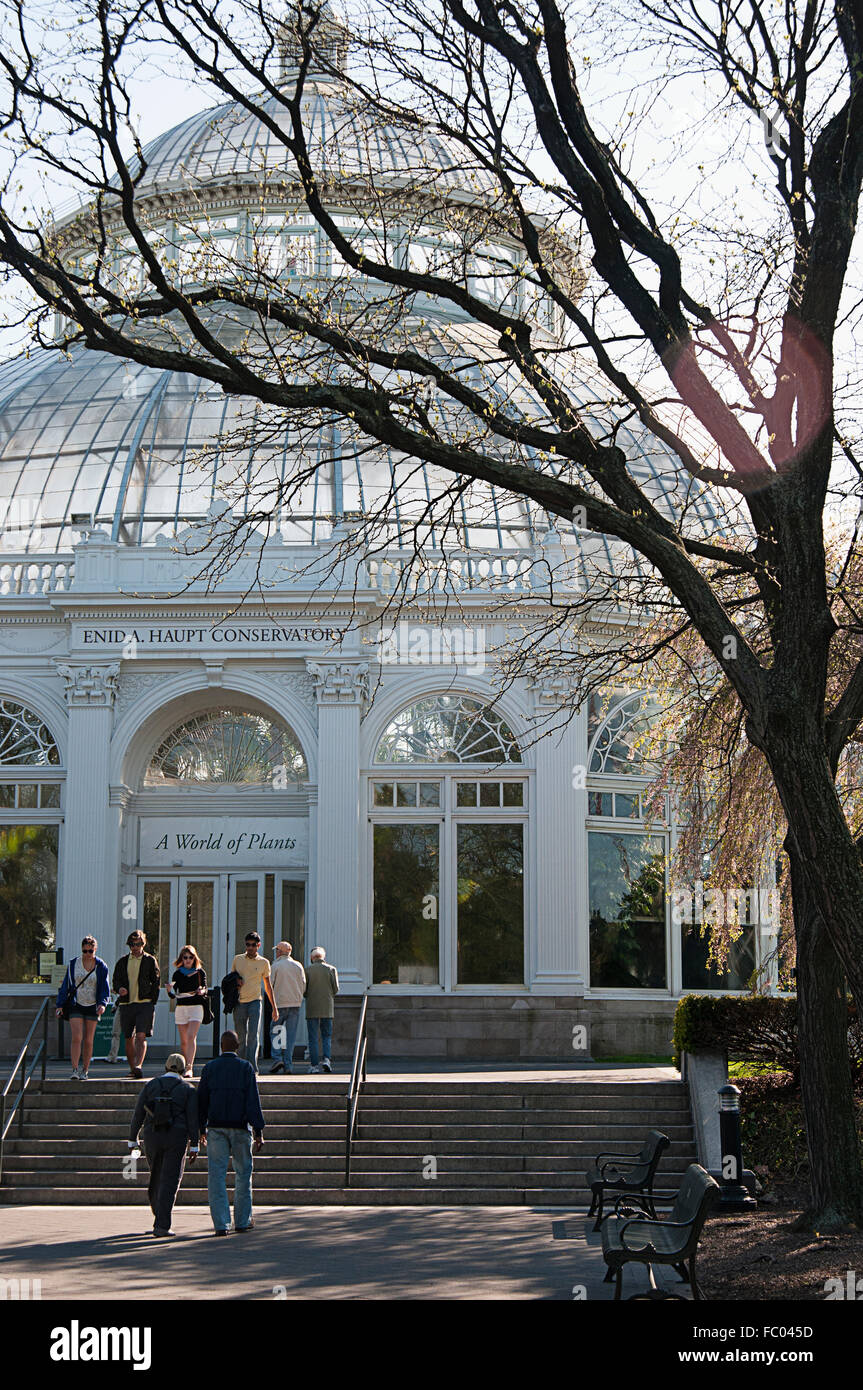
pixel 327 1064
pixel 137 1073
pixel 274 1071
pixel 250 1227
pixel 220 1233
pixel 85 1076
pixel 75 1076
pixel 157 1231
pixel 313 1071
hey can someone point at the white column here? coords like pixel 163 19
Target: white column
pixel 341 687
pixel 89 847
pixel 559 947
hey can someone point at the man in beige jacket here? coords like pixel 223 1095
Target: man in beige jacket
pixel 288 979
pixel 322 986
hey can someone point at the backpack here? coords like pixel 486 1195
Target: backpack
pixel 161 1115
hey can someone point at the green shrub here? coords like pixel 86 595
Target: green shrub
pixel 757 1028
pixel 753 1028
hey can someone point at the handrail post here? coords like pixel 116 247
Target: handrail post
pixel 2 1131
pixel 358 1077
pixel 21 1090
pixel 45 1038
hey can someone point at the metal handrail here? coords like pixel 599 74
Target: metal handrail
pixel 21 1065
pixel 358 1078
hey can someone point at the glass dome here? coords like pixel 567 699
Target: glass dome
pixel 145 454
pixel 148 453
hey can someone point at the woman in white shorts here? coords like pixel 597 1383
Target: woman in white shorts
pixel 188 986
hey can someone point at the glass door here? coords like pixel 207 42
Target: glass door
pixel 246 910
pixel 175 912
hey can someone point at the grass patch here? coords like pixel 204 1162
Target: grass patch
pixel 744 1069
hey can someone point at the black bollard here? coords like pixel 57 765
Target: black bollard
pixel 734 1195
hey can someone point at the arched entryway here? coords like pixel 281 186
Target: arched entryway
pixel 219 834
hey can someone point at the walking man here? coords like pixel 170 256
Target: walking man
pixel 254 971
pixel 229 1107
pixel 168 1111
pixel 288 979
pixel 136 981
pixel 322 986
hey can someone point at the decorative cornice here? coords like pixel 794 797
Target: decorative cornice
pixel 93 686
pixel 340 682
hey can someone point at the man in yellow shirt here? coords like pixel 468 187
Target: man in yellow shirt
pixel 254 970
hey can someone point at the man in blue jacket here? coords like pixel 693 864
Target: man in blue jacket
pixel 229 1113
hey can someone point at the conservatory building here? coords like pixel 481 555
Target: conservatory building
pixel 268 743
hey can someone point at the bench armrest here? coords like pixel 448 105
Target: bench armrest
pixel 647 1248
pixel 627 1158
pixel 665 1225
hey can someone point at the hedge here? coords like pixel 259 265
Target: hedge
pixel 752 1028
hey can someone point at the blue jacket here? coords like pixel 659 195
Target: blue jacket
pixel 228 1095
pixel 67 989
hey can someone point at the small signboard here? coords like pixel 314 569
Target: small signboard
pixel 47 959
pixel 104 1029
pixel 57 973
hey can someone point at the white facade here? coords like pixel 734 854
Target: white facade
pixel 542 910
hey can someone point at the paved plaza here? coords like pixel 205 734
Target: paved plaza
pixel 395 1253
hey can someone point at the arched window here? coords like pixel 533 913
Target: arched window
pixel 31 786
pixel 24 739
pixel 448 729
pixel 227 746
pixel 617 738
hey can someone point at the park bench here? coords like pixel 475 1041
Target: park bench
pixel 629 1173
pixel 673 1241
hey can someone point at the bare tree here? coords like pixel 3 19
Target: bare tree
pixel 727 362
pixel 731 816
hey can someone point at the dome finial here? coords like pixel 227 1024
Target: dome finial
pixel 315 24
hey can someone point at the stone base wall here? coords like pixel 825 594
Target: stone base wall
pixel 541 1028
pixel 559 1028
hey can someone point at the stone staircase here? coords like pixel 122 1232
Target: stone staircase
pixel 489 1142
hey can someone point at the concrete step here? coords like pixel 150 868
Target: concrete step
pixel 272 1175
pixel 401 1138
pixel 429 1136
pixel 127 1195
pixel 109 1160
pixel 89 1108
pixel 496 1143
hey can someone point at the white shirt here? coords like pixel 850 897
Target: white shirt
pixel 288 979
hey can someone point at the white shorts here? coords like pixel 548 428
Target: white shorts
pixel 189 1013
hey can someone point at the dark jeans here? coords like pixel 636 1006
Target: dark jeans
pixel 166 1155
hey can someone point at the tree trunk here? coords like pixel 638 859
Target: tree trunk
pixel 828 863
pixel 836 1176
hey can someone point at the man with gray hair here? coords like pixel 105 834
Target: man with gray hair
pixel 322 986
pixel 288 979
pixel 167 1109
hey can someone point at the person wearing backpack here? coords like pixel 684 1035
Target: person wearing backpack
pixel 167 1111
